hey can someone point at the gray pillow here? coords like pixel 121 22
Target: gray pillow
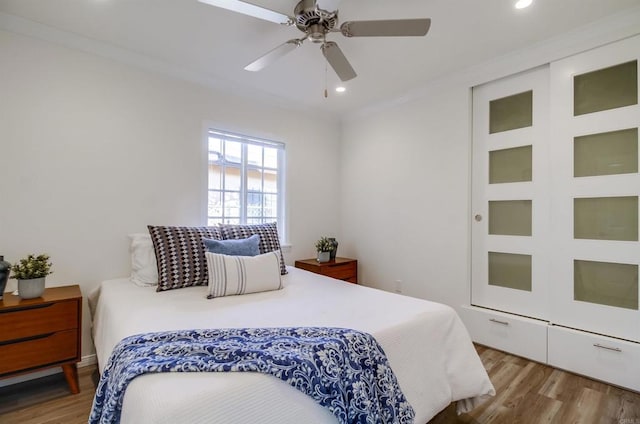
pixel 180 255
pixel 249 246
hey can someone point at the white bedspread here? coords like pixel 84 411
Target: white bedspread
pixel 427 346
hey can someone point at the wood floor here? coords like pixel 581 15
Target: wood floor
pixel 527 392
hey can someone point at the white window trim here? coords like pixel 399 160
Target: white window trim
pixel 209 129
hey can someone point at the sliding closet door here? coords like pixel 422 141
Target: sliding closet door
pixel 510 201
pixel 596 185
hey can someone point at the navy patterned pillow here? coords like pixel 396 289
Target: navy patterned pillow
pixel 180 255
pixel 269 240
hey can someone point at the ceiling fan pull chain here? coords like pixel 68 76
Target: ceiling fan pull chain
pixel 326 92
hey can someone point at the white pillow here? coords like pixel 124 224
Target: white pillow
pixel 144 268
pixel 233 275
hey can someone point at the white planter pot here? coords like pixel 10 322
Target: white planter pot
pixel 324 256
pixel 29 289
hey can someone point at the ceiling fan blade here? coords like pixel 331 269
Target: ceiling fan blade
pixel 386 28
pixel 338 61
pixel 273 55
pixel 251 10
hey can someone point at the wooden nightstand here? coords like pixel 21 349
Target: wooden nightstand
pixel 341 268
pixel 42 333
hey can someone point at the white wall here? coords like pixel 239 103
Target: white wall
pixel 406 184
pixel 406 173
pixel 92 150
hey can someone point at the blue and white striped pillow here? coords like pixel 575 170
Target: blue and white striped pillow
pixel 234 275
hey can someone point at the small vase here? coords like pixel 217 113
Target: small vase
pixel 324 256
pixel 332 253
pixel 29 289
pixel 5 270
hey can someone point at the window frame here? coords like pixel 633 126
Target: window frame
pixel 244 167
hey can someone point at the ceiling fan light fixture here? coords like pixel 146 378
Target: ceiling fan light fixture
pixel 341 89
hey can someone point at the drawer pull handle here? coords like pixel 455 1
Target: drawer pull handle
pixel 27 308
pixel 27 339
pixel 498 321
pixel 615 349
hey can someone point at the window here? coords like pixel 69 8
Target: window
pixel 245 180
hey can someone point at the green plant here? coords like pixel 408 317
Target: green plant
pixel 31 267
pixel 324 245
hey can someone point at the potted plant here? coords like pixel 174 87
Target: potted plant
pixel 324 246
pixel 31 273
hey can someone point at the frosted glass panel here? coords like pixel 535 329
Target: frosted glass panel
pixel 606 283
pixel 510 271
pixel 604 89
pixel 614 152
pixel 510 165
pixel 510 217
pixel 606 218
pixel 510 113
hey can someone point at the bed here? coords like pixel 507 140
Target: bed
pixel 426 344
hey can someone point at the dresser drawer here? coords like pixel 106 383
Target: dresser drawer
pixel 510 333
pixel 40 351
pixel 611 360
pixel 340 271
pixel 38 319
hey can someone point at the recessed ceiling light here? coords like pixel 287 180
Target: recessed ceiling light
pixel 521 4
pixel 341 89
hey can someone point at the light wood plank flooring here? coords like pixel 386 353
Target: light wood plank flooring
pixel 527 392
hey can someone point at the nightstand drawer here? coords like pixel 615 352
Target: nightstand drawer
pixel 41 350
pixel 38 319
pixel 340 271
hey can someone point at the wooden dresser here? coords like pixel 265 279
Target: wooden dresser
pixel 42 333
pixel 341 268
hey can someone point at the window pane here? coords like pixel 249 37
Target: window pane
pixel 606 218
pixel 231 204
pixel 270 157
pixel 215 148
pixel 211 222
pixel 510 165
pixel 614 152
pixel 509 270
pixel 510 217
pixel 254 180
pixel 607 88
pixel 231 221
pixel 510 113
pixel 606 283
pixel 270 181
pixel 254 221
pixel 232 151
pixel 254 204
pixel 254 155
pixel 271 205
pixel 215 204
pixel 232 178
pixel 215 177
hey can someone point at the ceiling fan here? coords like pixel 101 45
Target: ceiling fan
pixel 316 23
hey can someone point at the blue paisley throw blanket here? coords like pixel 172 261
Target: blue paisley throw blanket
pixel 343 370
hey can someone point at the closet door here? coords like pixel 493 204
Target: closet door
pixel 596 185
pixel 510 200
